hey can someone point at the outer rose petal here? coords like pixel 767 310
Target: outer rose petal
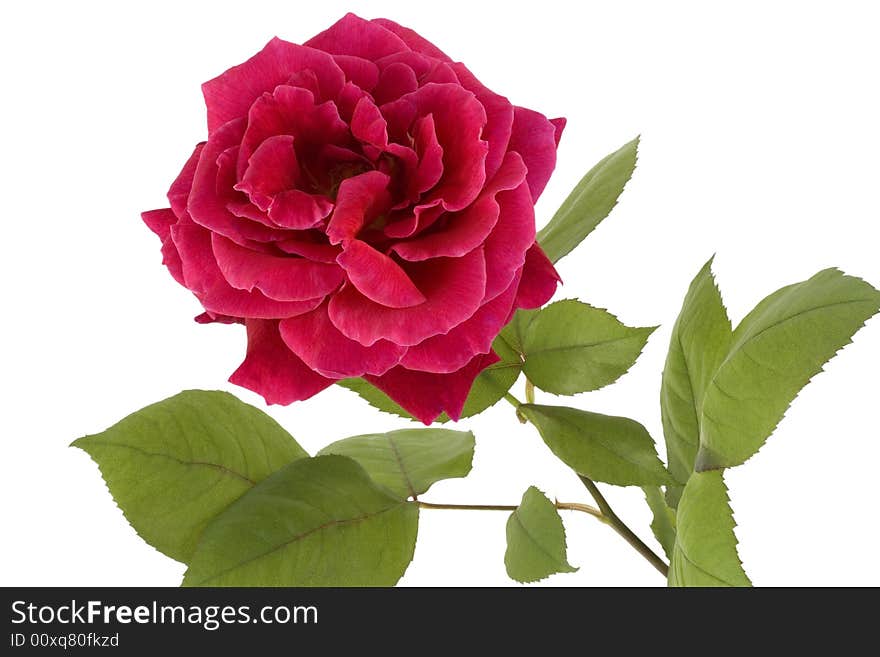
pixel 352 35
pixel 284 278
pixel 512 236
pixel 539 280
pixel 452 351
pixel 270 369
pixel 426 395
pixel 230 95
pixel 204 279
pixel 378 277
pixel 160 221
pixel 412 39
pixel 453 288
pixel 180 188
pixel 324 349
pixel 535 138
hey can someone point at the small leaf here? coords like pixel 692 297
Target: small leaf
pixel 489 387
pixel 409 461
pixel 663 523
pixel 589 203
pixel 775 351
pixel 705 545
pixel 316 522
pixel 700 341
pixel 572 347
pixel 535 540
pixel 174 465
pixel 606 448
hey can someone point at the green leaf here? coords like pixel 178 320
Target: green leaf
pixel 489 387
pixel 775 351
pixel 572 347
pixel 589 203
pixel 700 341
pixel 174 465
pixel 663 523
pixel 705 545
pixel 606 448
pixel 409 461
pixel 316 522
pixel 535 540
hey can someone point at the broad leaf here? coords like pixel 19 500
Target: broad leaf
pixel 589 203
pixel 572 347
pixel 535 540
pixel 606 448
pixel 775 351
pixel 663 522
pixel 174 465
pixel 705 545
pixel 489 387
pixel 409 461
pixel 317 522
pixel 700 341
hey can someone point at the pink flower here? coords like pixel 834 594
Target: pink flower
pixel 365 206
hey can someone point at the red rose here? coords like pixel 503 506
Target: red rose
pixel 365 206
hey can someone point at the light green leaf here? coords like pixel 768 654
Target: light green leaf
pixel 700 341
pixel 663 523
pixel 174 465
pixel 589 203
pixel 705 545
pixel 775 351
pixel 535 540
pixel 409 461
pixel 489 387
pixel 316 522
pixel 606 448
pixel 572 347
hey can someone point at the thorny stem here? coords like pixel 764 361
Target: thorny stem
pixel 567 506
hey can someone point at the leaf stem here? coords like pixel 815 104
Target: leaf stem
pixel 565 506
pixel 621 528
pixel 530 391
pixel 516 403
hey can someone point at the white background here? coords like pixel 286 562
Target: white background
pixel 760 143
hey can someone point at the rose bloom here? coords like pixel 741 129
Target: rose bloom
pixel 365 207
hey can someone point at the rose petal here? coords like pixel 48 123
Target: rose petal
pixel 230 95
pixel 368 124
pixel 358 70
pixel 318 251
pixel 559 126
pixel 395 80
pixel 160 221
pixel 534 137
pixel 359 201
pixel 352 35
pixel 299 210
pixel 539 279
pixel 378 277
pixel 270 369
pixel 180 188
pixel 453 288
pixel 430 153
pixel 412 39
pixel 426 395
pixel 452 351
pixel 324 349
pixel 415 221
pixel 271 169
pixel 203 277
pixel 507 243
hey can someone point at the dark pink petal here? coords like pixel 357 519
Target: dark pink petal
pixel 452 351
pixel 298 210
pixel 348 99
pixel 559 125
pixel 425 395
pixel 368 124
pixel 204 278
pixel 459 119
pixel 319 251
pixel 359 201
pixel 421 65
pixel 415 221
pixel 324 349
pixel 499 118
pixel 378 277
pixel 242 207
pixel 453 288
pixel 534 137
pixel 230 95
pixel 396 80
pixel 507 244
pixel 271 169
pixel 539 279
pixel 212 318
pixel 270 369
pixel 180 188
pixel 440 73
pixel 352 35
pixel 412 39
pixel 160 221
pixel 283 278
pixel 429 170
pixel 359 71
